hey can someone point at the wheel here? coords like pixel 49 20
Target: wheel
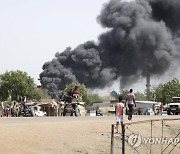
pixel 64 112
pixel 168 113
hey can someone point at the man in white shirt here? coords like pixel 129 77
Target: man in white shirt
pixel 130 102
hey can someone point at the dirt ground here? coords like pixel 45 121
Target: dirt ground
pixel 64 135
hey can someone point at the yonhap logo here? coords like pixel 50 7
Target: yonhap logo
pixel 135 140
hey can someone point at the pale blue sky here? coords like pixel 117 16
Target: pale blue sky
pixel 32 31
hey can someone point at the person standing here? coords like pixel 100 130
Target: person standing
pixel 161 108
pixel 153 108
pixel 119 111
pixel 14 109
pixel 130 103
pixel 75 92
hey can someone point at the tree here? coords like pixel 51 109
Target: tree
pixel 17 83
pixel 95 98
pixel 165 92
pixel 170 89
pixel 149 94
pixel 140 96
pixel 124 93
pixel 158 92
pixel 43 93
pixel 83 91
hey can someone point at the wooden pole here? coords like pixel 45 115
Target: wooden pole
pixel 112 139
pixel 123 138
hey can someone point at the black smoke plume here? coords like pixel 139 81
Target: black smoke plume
pixel 141 39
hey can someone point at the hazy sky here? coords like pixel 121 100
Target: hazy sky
pixel 32 31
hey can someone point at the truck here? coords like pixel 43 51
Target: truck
pixel 173 108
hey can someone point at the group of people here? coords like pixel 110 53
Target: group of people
pixel 73 94
pixel 158 110
pixel 129 104
pixel 13 108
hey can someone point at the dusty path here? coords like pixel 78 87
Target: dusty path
pixel 57 135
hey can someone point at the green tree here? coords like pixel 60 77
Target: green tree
pixel 95 98
pixel 83 91
pixel 158 92
pixel 17 83
pixel 170 89
pixel 43 93
pixel 140 96
pixel 150 94
pixel 124 93
pixel 165 92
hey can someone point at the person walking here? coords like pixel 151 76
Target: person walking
pixel 130 103
pixel 119 112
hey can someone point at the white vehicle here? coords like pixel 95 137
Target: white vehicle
pixel 173 108
pixel 37 111
pixel 146 107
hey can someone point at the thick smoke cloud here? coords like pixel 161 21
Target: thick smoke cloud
pixel 168 11
pixel 140 40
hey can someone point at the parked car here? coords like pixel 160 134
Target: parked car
pixel 37 111
pixel 173 108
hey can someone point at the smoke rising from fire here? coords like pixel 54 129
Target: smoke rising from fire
pixel 141 39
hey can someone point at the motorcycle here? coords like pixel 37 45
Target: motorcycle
pixel 25 111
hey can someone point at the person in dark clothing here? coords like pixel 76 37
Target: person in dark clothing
pixel 139 111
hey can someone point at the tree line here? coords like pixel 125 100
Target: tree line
pixel 17 83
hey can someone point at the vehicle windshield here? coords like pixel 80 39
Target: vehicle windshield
pixel 176 100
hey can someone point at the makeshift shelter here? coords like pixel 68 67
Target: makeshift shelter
pixel 50 106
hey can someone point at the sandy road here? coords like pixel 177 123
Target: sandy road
pixel 64 135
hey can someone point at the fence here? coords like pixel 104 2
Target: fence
pixel 155 136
